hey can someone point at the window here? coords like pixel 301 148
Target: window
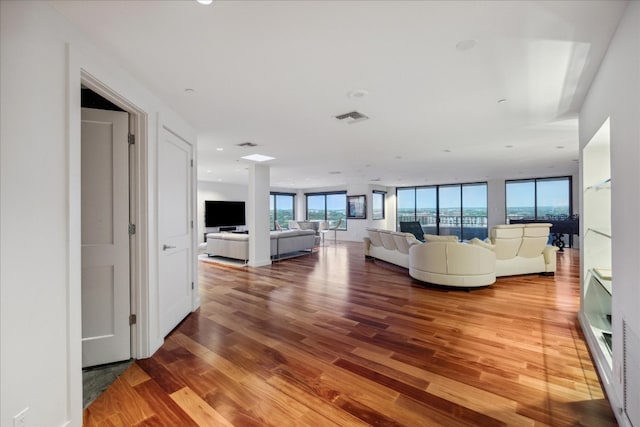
pixel 281 209
pixel 538 198
pixel 328 207
pixel 377 204
pixel 456 209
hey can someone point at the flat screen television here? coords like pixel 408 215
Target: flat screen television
pixel 223 214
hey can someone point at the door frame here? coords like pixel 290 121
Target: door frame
pixel 138 265
pixel 77 75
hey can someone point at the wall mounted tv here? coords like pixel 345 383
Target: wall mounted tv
pixel 223 214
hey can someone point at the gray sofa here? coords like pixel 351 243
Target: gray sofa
pixel 284 243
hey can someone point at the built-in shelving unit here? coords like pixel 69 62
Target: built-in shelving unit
pixel 597 280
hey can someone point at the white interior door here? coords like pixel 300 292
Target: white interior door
pixel 175 229
pixel 105 237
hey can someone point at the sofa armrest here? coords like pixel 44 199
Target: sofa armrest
pixel 367 245
pixel 549 253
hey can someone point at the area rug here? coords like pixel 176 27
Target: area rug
pixel 222 260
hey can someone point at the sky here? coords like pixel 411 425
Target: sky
pixel 519 194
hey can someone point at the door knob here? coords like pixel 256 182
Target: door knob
pixel 165 247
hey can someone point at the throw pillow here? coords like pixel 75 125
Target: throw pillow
pixel 482 243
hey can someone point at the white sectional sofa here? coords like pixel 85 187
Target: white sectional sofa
pixel 452 263
pixel 523 249
pixel 389 246
pixel 283 244
pixel 513 249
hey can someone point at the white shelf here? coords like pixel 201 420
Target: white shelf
pixel 604 282
pixel 597 289
pixel 605 232
pixel 602 185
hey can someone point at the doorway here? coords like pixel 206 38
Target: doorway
pixel 105 242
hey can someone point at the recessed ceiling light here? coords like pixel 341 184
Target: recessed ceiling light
pixel 508 146
pixel 447 151
pixel 205 2
pixel 559 147
pixel 219 149
pixel 502 100
pixel 465 45
pixel 189 90
pixel 219 179
pixel 258 157
pixel 208 170
pixel 335 173
pixel 359 93
pixel 398 157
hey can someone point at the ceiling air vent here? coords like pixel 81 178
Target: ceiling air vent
pixel 247 144
pixel 352 117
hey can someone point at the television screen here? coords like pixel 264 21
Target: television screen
pixel 223 214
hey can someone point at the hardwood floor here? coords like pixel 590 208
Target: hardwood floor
pixel 332 339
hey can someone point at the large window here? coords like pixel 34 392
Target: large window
pixel 328 207
pixel 281 209
pixel 538 198
pixel 457 209
pixel 377 204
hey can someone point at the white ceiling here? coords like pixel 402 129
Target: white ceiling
pixel 277 72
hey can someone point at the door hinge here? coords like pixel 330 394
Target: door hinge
pixel 132 139
pixel 191 223
pixel 132 229
pixel 191 162
pixel 132 319
pixel 192 286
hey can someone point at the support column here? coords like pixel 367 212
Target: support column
pixel 258 210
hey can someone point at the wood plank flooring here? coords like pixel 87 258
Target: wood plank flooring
pixel 330 339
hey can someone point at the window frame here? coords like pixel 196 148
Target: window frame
pixel 569 179
pixel 437 188
pixel 343 226
pixel 275 206
pixel 383 194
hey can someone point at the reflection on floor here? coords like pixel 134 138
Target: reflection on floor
pixel 96 379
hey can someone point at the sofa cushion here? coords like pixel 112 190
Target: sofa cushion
pixel 290 233
pixel 436 238
pixel 507 231
pixel 532 246
pixel 227 236
pixel 482 244
pixel 402 241
pixel 507 239
pixel 387 240
pixel 537 230
pixel 374 236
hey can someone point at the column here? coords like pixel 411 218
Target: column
pixel 258 210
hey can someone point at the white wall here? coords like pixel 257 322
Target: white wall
pixel 40 351
pixel 208 190
pixel 615 93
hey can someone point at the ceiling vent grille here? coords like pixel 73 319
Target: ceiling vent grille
pixel 247 144
pixel 352 117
